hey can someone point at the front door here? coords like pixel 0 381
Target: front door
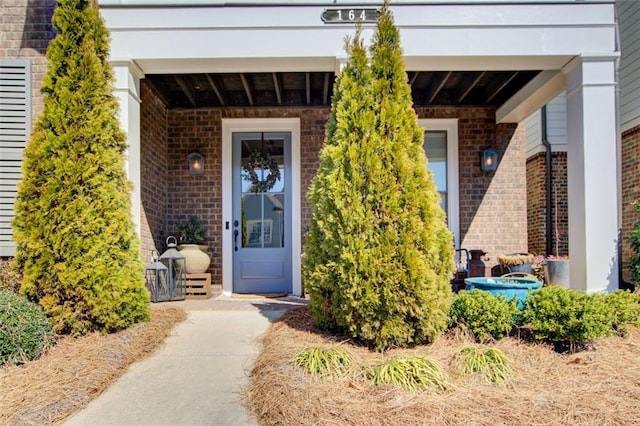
pixel 262 212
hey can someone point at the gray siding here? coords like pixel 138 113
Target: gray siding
pixel 15 129
pixel 629 18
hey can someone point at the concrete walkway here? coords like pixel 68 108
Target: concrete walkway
pixel 197 376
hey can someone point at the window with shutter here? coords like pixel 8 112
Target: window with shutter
pixel 15 129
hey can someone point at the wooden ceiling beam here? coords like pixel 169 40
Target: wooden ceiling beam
pixel 414 77
pixel 308 87
pixel 276 87
pixel 440 86
pixel 215 88
pixel 502 86
pixel 471 86
pixel 188 92
pixel 247 88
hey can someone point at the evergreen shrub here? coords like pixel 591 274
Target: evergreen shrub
pixel 486 315
pixel 557 314
pixel 626 309
pixel 25 331
pixel 378 255
pixel 77 248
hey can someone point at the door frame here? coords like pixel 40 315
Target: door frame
pixel 233 125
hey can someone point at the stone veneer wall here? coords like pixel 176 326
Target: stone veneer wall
pixel 537 203
pixel 153 170
pixel 630 188
pixel 492 205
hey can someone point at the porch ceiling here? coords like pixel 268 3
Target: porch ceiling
pixel 447 88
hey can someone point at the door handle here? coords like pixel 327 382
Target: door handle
pixel 235 239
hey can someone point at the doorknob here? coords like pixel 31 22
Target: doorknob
pixel 235 240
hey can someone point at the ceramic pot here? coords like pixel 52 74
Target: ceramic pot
pixel 197 260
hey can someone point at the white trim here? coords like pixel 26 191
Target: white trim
pixel 450 125
pixel 230 126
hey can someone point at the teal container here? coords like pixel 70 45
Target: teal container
pixel 510 287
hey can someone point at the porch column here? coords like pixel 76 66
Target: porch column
pixel 592 173
pixel 127 90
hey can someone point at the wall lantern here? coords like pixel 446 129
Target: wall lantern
pixel 489 161
pixel 196 163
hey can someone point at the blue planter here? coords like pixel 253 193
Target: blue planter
pixel 510 287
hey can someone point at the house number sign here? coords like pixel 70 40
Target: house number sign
pixel 349 16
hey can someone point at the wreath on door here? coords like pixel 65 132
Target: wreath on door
pixel 259 161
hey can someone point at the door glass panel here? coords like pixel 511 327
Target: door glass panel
pixel 263 193
pixel 435 147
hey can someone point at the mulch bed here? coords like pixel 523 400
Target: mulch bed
pixel 599 386
pixel 77 370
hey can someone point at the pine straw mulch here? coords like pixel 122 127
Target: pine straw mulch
pixel 77 370
pixel 600 386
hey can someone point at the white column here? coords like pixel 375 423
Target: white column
pixel 592 173
pixel 127 90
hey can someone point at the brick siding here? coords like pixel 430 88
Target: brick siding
pixel 630 188
pixel 537 204
pixel 484 197
pixel 153 171
pixel 493 206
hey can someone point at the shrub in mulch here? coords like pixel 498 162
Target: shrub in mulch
pixel 77 370
pixel 598 386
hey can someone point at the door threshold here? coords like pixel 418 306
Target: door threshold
pixel 258 295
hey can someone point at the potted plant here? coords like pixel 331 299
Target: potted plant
pixel 193 238
pixel 517 262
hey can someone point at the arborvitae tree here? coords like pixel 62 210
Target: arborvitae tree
pixel 76 244
pixel 378 254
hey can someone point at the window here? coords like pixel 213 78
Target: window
pixel 441 147
pixel 15 129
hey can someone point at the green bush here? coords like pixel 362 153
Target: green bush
pixel 333 362
pixel 77 248
pixel 25 331
pixel 486 315
pixel 492 365
pixel 412 373
pixel 378 254
pixel 557 314
pixel 626 309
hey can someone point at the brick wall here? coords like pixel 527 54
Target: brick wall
pixel 630 188
pixel 493 206
pixel 26 32
pixel 201 130
pixel 153 171
pixel 537 204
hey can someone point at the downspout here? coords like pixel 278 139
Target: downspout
pixel 548 177
pixel 618 50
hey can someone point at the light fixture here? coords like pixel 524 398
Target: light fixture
pixel 489 162
pixel 196 163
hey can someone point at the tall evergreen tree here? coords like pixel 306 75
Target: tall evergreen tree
pixel 76 243
pixel 378 255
